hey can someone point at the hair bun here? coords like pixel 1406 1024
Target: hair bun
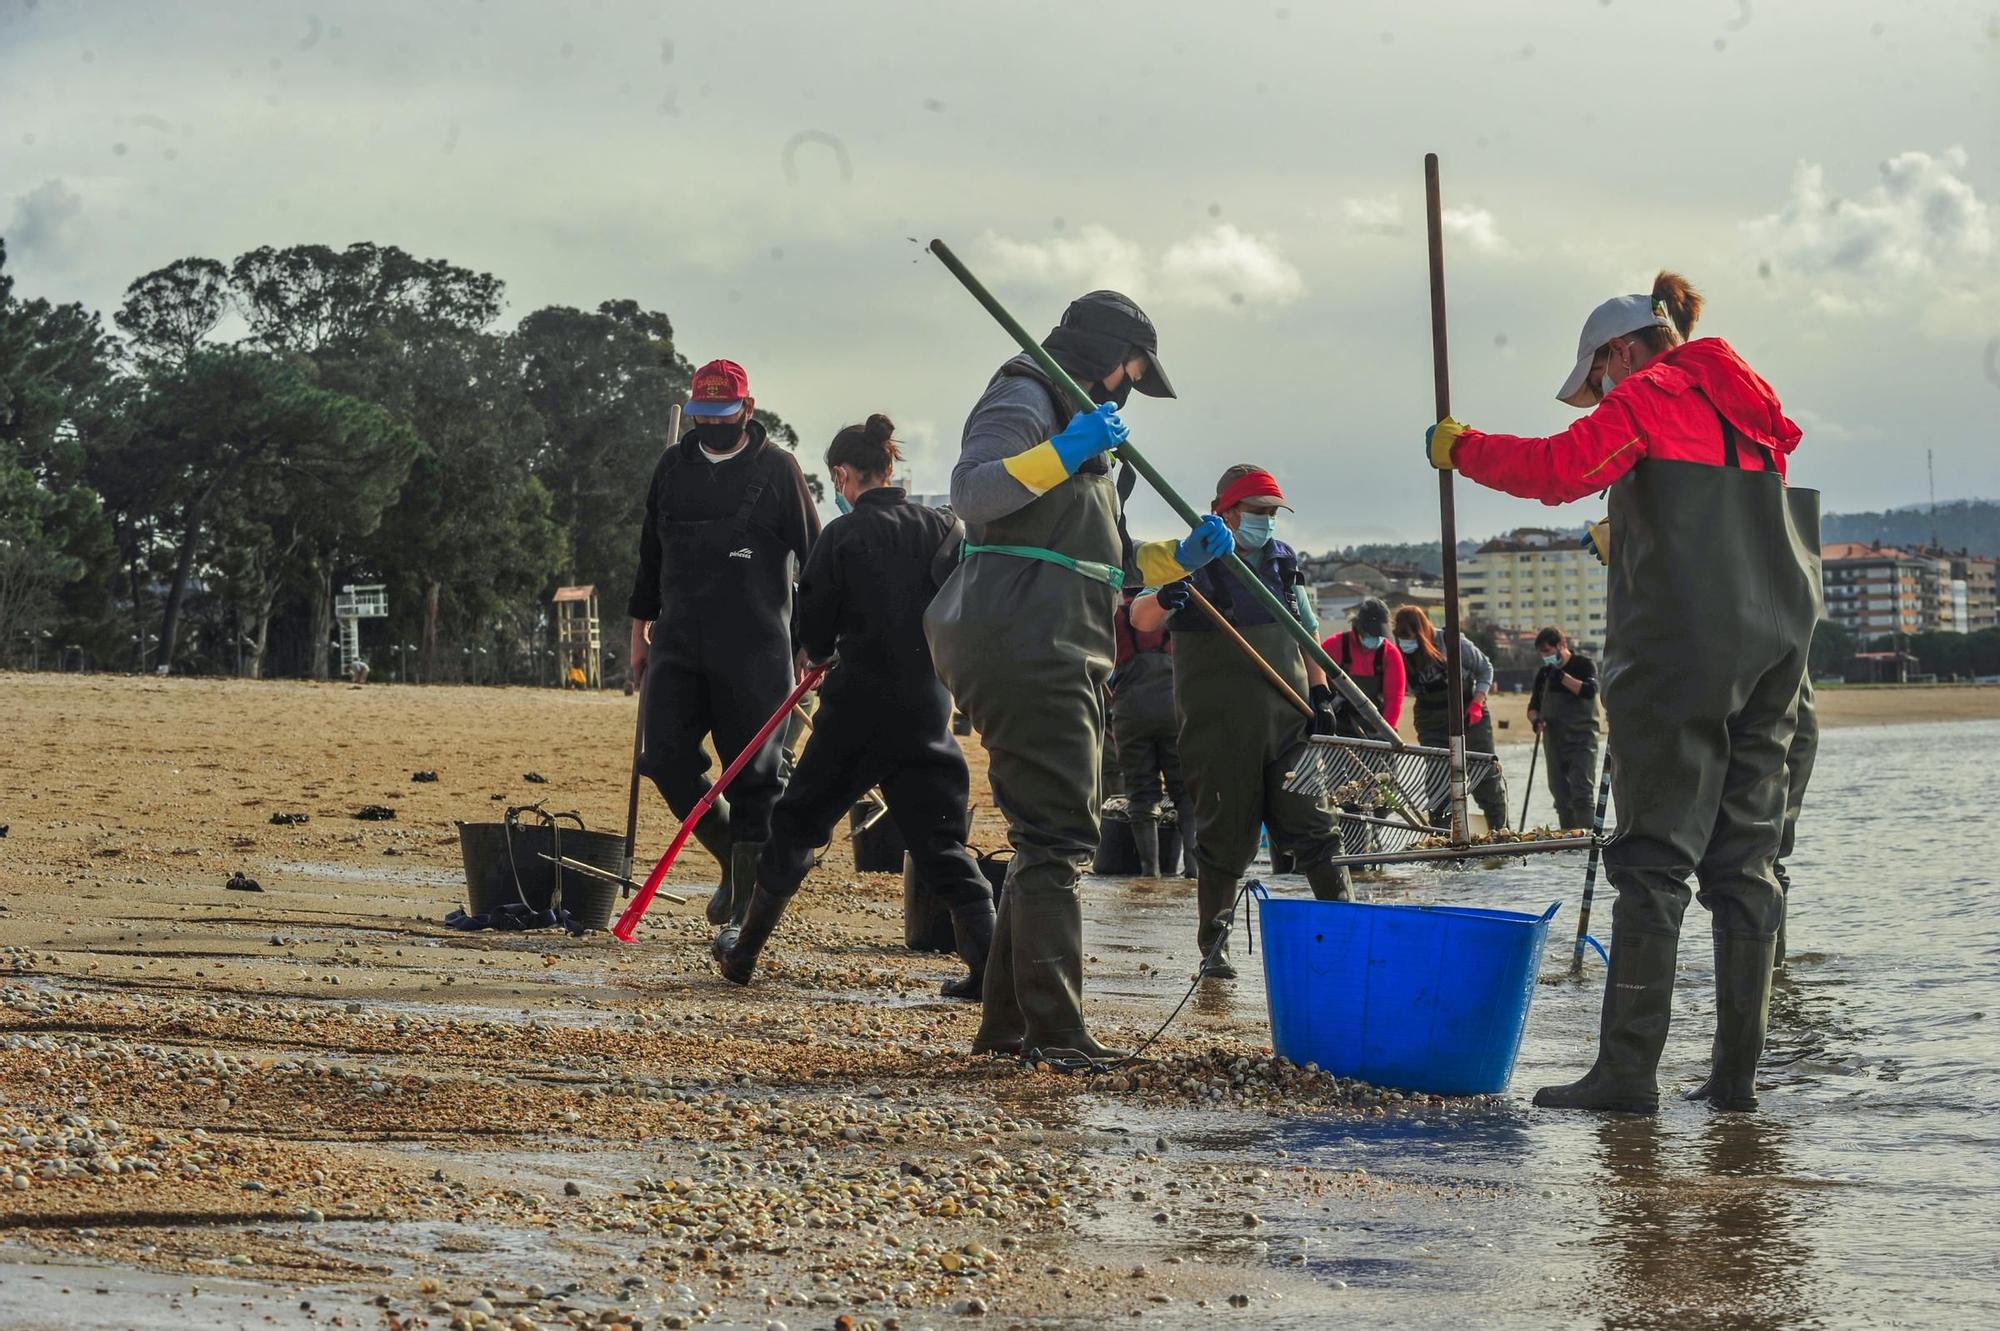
pixel 1677 296
pixel 880 429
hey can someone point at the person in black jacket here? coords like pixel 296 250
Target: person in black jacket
pixel 1565 712
pixel 884 718
pixel 729 522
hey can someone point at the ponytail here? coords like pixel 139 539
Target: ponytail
pixel 1676 300
pixel 869 449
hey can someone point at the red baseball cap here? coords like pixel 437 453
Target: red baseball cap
pixel 719 389
pixel 1244 481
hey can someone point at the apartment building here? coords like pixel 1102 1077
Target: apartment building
pixel 1875 590
pixel 1535 576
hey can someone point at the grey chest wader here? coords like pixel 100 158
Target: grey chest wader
pixel 1022 636
pixel 1712 603
pixel 1569 749
pixel 721 662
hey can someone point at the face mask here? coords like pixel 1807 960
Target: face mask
pixel 1370 644
pixel 1406 645
pixel 1552 660
pixel 1115 396
pixel 840 502
pixel 1254 529
pixel 718 437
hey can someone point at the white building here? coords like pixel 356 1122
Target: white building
pixel 1535 577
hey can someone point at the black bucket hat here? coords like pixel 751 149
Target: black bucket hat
pixel 1096 333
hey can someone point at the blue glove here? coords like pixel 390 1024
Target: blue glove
pixel 1088 434
pixel 1211 539
pixel 1173 596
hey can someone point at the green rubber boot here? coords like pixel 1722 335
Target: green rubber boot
pixel 1001 1025
pixel 713 834
pixel 1742 1013
pixel 1146 841
pixel 1330 882
pixel 972 933
pixel 1215 893
pixel 737 948
pixel 1638 1004
pixel 1048 978
pixel 743 878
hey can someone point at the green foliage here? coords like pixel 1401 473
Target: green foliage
pixel 1832 649
pixel 1948 655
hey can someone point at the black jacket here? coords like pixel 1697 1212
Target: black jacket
pixel 864 591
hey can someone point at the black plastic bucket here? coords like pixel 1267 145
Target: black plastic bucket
pixel 498 873
pixel 877 849
pixel 1116 856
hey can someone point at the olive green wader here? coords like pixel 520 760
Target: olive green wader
pixel 1147 734
pixel 1798 774
pixel 1433 713
pixel 1570 727
pixel 1025 645
pixel 1699 734
pixel 1239 739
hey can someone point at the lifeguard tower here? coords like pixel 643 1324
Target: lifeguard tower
pixel 353 605
pixel 579 646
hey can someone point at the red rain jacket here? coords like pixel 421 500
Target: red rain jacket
pixel 1672 409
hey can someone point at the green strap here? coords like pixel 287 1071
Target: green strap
pixel 1105 573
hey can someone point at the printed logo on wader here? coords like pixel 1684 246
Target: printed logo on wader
pixel 744 553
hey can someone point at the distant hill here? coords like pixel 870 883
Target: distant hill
pixel 1962 524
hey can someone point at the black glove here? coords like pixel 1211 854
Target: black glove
pixel 1326 710
pixel 1173 596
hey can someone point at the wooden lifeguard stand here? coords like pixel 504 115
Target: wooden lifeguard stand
pixel 579 645
pixel 350 607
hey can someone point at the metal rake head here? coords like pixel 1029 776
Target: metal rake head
pixel 1361 834
pixel 1354 771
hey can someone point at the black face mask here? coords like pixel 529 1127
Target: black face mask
pixel 1115 396
pixel 718 437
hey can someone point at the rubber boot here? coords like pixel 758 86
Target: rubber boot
pixel 1638 1004
pixel 742 872
pixel 737 957
pixel 1742 1011
pixel 1048 978
pixel 972 931
pixel 1330 882
pixel 1001 1025
pixel 1216 894
pixel 1146 842
pixel 713 834
pixel 1496 815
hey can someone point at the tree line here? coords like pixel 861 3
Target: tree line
pixel 189 490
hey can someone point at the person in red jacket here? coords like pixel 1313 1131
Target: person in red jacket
pixel 1366 654
pixel 1713 596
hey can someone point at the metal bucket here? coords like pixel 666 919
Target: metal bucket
pixel 504 865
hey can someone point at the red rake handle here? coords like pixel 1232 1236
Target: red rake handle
pixel 628 923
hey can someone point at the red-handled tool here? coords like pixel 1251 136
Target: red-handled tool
pixel 628 923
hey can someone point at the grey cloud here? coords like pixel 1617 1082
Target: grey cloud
pixel 45 220
pixel 1922 217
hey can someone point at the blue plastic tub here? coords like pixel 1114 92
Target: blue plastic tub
pixel 1419 998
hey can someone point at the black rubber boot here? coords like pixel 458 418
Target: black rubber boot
pixel 1146 842
pixel 972 930
pixel 1000 1022
pixel 1216 894
pixel 1742 1012
pixel 1048 979
pixel 743 874
pixel 737 957
pixel 1638 1004
pixel 713 834
pixel 1330 882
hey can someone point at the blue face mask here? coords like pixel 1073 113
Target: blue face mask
pixel 840 502
pixel 1552 660
pixel 1370 644
pixel 1254 529
pixel 1406 645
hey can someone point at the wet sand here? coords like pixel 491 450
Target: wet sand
pixel 320 1087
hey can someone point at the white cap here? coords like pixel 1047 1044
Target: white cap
pixel 1616 317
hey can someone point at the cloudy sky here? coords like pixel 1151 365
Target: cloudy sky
pixel 1825 170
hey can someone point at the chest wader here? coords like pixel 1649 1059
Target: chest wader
pixel 1798 774
pixel 721 662
pixel 1239 739
pixel 1432 712
pixel 1570 728
pixel 1021 635
pixel 1148 738
pixel 1712 605
pixel 1370 685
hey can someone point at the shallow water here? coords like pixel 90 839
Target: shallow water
pixel 1863 1192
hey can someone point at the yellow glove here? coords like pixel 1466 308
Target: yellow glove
pixel 1440 439
pixel 1597 539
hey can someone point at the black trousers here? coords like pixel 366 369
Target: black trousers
pixel 687 702
pixel 861 740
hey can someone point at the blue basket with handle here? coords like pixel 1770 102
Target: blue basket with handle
pixel 1419 998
